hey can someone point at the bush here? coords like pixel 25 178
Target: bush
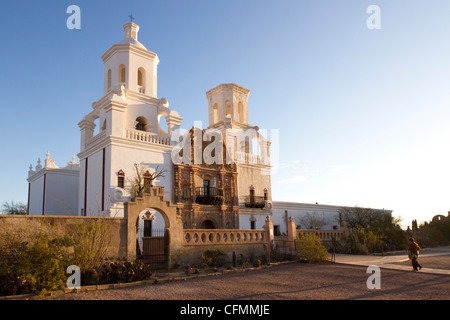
pixel 257 263
pixel 213 258
pixel 123 271
pixel 39 267
pixel 311 248
pixel 90 241
pixel 363 241
pixel 44 270
pixel 12 284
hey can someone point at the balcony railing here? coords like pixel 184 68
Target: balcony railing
pixel 243 157
pixel 254 202
pixel 209 196
pixel 141 89
pixel 147 137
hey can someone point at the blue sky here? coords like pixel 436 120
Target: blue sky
pixel 362 115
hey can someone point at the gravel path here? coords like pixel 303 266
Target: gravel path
pixel 296 281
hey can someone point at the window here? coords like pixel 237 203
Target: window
pixel 122 74
pixel 227 109
pixel 240 112
pixel 147 228
pixel 266 197
pixel 141 80
pixel 252 225
pixel 206 187
pixel 252 195
pixel 121 179
pixel 276 230
pixel 215 113
pixel 142 124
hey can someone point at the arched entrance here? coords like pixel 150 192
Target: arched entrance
pixel 153 198
pixel 207 224
pixel 150 237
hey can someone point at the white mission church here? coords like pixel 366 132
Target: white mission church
pixel 126 123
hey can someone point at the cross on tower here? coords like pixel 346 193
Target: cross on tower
pixel 131 17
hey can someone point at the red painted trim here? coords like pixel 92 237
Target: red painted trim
pixel 85 184
pixel 28 204
pixel 103 181
pixel 43 196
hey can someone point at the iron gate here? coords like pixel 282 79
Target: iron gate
pixel 153 248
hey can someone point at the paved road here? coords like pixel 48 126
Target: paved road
pixel 296 281
pixel 399 262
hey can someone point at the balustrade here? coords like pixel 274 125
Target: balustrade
pixel 222 236
pixel 147 137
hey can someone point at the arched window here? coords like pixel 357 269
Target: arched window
pixel 240 112
pixel 141 80
pixel 227 109
pixel 121 179
pixel 109 79
pixel 252 194
pixel 122 74
pixel 256 146
pixel 141 124
pixel 215 113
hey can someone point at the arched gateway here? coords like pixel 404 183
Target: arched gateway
pixel 153 198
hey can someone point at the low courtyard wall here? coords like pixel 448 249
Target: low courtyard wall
pixel 252 244
pixel 60 225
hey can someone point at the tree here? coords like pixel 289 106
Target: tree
pixel 143 176
pixel 312 221
pixel 355 217
pixel 379 222
pixel 14 208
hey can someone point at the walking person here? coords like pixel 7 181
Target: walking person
pixel 414 254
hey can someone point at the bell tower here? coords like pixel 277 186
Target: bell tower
pixel 130 65
pixel 228 103
pixel 124 132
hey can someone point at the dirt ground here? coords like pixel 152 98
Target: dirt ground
pixel 296 281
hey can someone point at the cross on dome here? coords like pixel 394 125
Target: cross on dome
pixel 131 29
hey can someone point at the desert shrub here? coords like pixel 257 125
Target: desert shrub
pixel 121 271
pixel 90 241
pixel 243 261
pixel 311 248
pixel 363 241
pixel 39 257
pixel 38 266
pixel 257 263
pixel 12 284
pixel 188 270
pixel 44 268
pixel 213 258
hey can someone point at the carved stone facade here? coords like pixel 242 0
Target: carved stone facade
pixel 206 194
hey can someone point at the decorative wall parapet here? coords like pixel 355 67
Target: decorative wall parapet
pixel 324 235
pixel 200 237
pixel 147 137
